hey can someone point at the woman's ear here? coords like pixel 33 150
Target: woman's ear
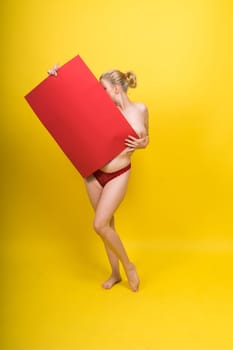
pixel 116 89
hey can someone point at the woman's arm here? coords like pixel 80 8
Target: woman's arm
pixel 143 140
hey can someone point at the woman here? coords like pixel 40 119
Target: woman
pixel 107 187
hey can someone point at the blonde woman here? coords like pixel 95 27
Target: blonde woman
pixel 107 186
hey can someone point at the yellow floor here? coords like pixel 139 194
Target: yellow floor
pixel 54 301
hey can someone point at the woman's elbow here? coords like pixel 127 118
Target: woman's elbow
pixel 147 141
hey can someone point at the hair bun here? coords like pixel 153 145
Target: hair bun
pixel 131 79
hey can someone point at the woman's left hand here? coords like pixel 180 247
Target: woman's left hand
pixel 135 143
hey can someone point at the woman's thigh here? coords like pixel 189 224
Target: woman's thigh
pixel 94 190
pixel 111 197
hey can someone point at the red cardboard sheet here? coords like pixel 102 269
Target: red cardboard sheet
pixel 80 116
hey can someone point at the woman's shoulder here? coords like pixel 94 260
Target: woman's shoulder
pixel 142 109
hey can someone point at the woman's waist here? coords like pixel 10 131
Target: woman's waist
pixel 120 161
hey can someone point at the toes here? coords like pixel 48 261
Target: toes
pixel 107 285
pixel 111 282
pixel 133 279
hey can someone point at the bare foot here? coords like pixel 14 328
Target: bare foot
pixel 113 279
pixel 133 278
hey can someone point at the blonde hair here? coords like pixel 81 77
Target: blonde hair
pixel 116 77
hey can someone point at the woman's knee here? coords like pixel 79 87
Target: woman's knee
pixel 100 226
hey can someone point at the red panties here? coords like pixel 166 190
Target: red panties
pixel 103 178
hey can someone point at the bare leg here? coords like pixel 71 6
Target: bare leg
pixel 116 245
pixel 110 198
pixel 115 277
pixel 94 191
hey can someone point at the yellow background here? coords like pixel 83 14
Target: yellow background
pixel 179 201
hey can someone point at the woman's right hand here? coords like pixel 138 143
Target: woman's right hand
pixel 53 71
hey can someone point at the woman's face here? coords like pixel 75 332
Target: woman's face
pixel 109 88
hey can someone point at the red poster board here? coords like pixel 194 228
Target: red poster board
pixel 80 116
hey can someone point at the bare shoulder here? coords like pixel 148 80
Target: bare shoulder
pixel 141 107
pixel 143 111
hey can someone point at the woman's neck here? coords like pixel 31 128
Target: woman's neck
pixel 124 102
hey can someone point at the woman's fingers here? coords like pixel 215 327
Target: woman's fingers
pixel 130 137
pixel 53 70
pixel 134 142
